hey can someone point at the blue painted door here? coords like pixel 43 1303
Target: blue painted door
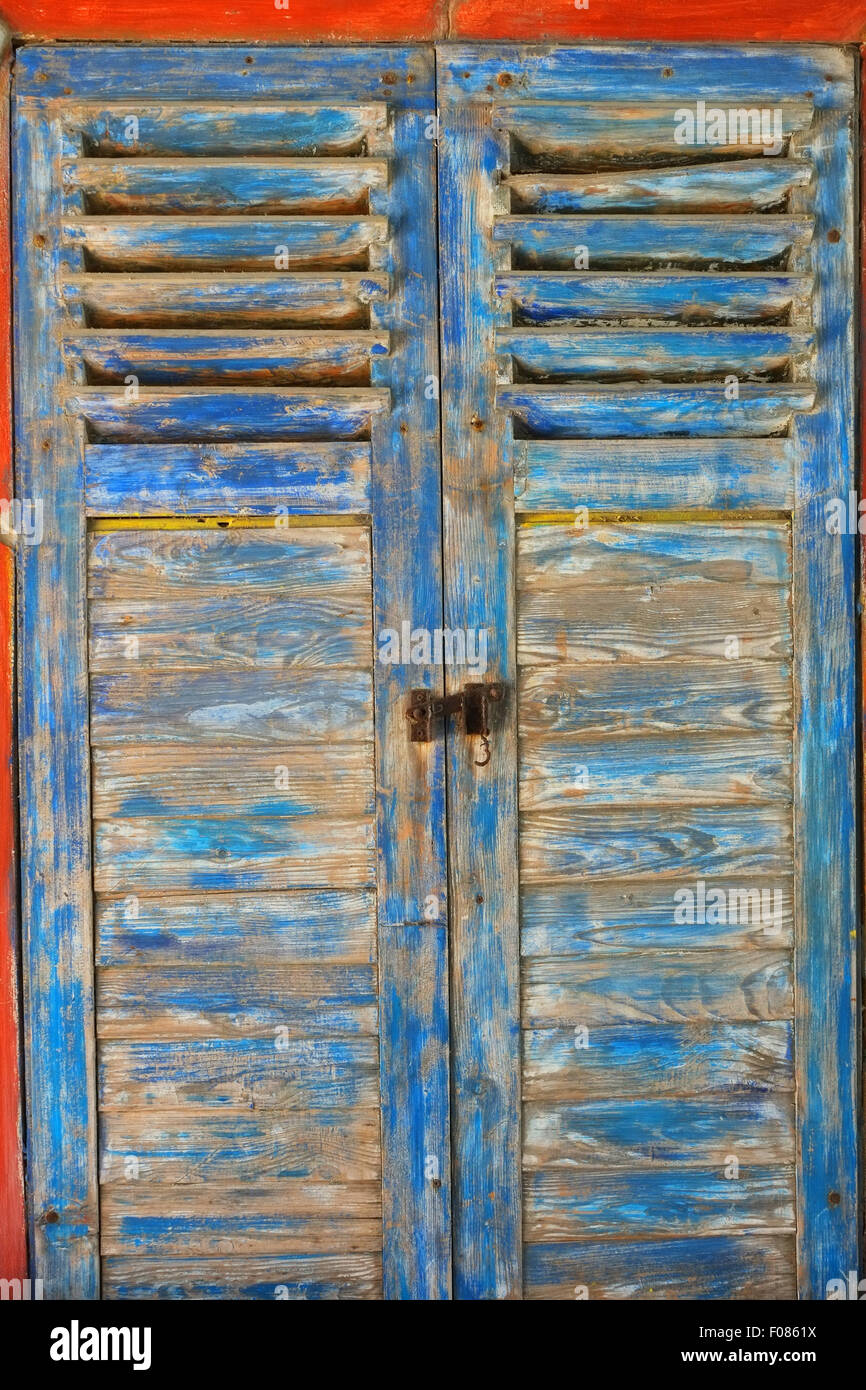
pixel 647 331
pixel 234 871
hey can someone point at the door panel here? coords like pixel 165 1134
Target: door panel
pixel 226 331
pixel 646 412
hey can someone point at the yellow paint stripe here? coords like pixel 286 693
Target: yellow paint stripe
pixel 678 518
pixel 223 523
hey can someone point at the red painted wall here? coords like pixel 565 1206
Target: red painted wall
pixel 258 21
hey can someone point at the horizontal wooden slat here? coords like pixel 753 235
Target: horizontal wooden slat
pixel 328 1146
pixel 651 1133
pixel 709 1267
pixel 658 474
pixel 594 699
pixel 668 621
pixel 166 414
pixel 251 129
pixel 681 354
pixel 731 186
pixel 236 630
pixel 607 919
pixel 280 781
pixel 247 1277
pixel 626 411
pixel 179 566
pixel 211 852
pixel 653 553
pixel 292 1216
pixel 733 840
pixel 724 1060
pixel 741 770
pixel 143 244
pixel 620 242
pixel 281 299
pixel 180 1084
pixel 207 708
pixel 562 297
pixel 272 185
pixel 315 478
pixel 658 987
pixel 604 1202
pixel 177 357
pixel 320 1001
pixel 576 134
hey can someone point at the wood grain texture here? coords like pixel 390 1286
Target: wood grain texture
pixel 826 906
pixel 53 724
pixel 479 542
pixel 13 1248
pixel 256 479
pixel 292 1277
pixel 703 1268
pixel 725 1060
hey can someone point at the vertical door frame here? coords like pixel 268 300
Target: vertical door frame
pixel 54 697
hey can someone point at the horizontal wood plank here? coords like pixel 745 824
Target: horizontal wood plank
pixel 706 1268
pixel 283 1276
pixel 731 186
pixel 213 357
pixel 622 242
pixel 653 553
pixel 637 411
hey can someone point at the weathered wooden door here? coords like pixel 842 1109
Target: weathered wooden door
pixel 227 352
pixel 237 927
pixel 647 310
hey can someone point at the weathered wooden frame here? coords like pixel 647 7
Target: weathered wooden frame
pixel 53 710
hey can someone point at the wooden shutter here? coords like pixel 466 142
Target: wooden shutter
pixel 661 333
pixel 226 326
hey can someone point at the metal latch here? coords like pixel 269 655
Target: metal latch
pixel 471 704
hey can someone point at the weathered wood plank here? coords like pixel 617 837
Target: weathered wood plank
pixel 623 242
pixel 575 134
pixel 656 1059
pixel 232 630
pixel 260 1277
pixel 281 781
pixel 626 411
pixel 180 414
pixel 705 1268
pixel 479 542
pixel 305 1001
pixel 731 186
pixel 686 771
pixel 57 949
pixel 268 186
pixel 610 844
pixel 213 356
pixel 607 918
pixel 254 129
pixel 552 297
pixel 560 556
pixel 204 708
pixel 177 566
pixel 189 1149
pixel 215 852
pixel 668 621
pixel 828 1024
pixel 734 695
pixel 136 245
pixel 657 1132
pixel 253 478
pixel 209 1076
pixel 609 1203
pixel 289 1216
pixel 662 987
pixel 556 353
pixel 236 928
pixel 662 474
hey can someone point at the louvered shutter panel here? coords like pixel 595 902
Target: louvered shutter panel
pixel 647 411
pixel 226 338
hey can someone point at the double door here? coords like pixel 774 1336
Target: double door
pixel 437 674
